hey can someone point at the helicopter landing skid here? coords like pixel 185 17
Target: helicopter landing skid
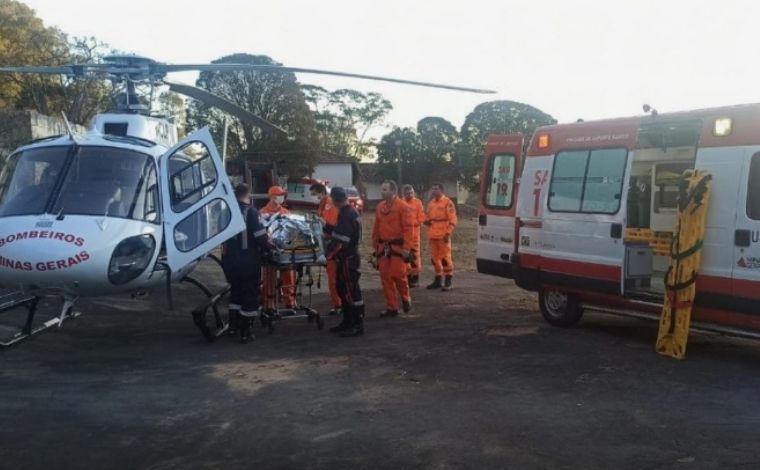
pixel 199 313
pixel 13 300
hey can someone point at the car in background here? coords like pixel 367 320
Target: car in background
pixel 355 198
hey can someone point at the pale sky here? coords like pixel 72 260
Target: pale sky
pixel 571 59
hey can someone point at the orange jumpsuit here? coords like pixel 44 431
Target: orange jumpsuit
pixel 418 217
pixel 269 277
pixel 441 218
pixel 391 235
pixel 329 215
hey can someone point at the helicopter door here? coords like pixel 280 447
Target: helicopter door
pixel 199 207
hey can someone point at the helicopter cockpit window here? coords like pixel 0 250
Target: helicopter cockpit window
pixel 106 181
pixel 29 178
pixel 193 175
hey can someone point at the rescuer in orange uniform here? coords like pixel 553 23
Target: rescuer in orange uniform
pixel 287 276
pixel 418 218
pixel 440 218
pixel 392 242
pixel 328 212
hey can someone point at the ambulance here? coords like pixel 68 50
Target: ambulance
pixel 586 217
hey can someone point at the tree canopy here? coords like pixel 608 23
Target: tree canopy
pixel 494 117
pixel 344 117
pixel 276 97
pixel 24 40
pixel 424 154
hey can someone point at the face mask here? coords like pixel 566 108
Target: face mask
pixel 279 199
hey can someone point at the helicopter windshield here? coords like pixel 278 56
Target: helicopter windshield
pixel 105 181
pixel 28 180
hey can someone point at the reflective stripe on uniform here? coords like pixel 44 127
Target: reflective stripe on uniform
pixel 340 237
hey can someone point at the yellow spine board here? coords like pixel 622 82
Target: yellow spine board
pixel 680 287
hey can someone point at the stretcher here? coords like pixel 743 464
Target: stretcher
pixel 685 255
pixel 298 250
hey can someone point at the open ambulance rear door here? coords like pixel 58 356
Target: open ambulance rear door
pixel 498 189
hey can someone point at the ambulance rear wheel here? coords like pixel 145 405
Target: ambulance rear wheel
pixel 558 308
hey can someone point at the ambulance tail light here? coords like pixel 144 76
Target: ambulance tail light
pixel 543 141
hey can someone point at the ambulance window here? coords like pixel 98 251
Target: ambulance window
pixel 753 189
pixel 588 181
pixel 604 181
pixel 500 178
pixel 566 189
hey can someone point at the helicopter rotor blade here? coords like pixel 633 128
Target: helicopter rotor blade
pixel 166 68
pixel 226 106
pixel 64 70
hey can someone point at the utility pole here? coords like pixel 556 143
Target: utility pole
pixel 398 161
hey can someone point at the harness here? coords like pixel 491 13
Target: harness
pixel 387 251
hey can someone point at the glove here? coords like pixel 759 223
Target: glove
pixel 427 223
pixel 446 238
pixel 407 255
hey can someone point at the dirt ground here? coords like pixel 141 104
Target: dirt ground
pixel 473 378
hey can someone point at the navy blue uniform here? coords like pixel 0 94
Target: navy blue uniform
pixel 344 249
pixel 242 261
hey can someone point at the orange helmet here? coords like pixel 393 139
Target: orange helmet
pixel 276 191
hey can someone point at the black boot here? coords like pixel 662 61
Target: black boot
pixel 244 325
pixel 357 328
pixel 232 322
pixel 345 322
pixel 447 283
pixel 414 280
pixel 436 284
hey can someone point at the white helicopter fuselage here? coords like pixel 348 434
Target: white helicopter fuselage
pixel 101 229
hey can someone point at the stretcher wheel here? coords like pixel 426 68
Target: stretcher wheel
pixel 559 308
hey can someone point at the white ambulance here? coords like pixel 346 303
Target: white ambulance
pixel 596 206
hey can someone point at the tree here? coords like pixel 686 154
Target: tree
pixel 173 106
pixel 24 40
pixel 424 153
pixel 494 117
pixel 438 137
pixel 274 96
pixel 345 116
pixel 399 149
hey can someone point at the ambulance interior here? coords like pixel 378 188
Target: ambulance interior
pixel 664 150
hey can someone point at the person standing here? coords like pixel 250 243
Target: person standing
pixel 392 243
pixel 287 279
pixel 343 250
pixel 418 217
pixel 241 261
pixel 440 218
pixel 328 212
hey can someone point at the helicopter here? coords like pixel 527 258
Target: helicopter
pixel 125 207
